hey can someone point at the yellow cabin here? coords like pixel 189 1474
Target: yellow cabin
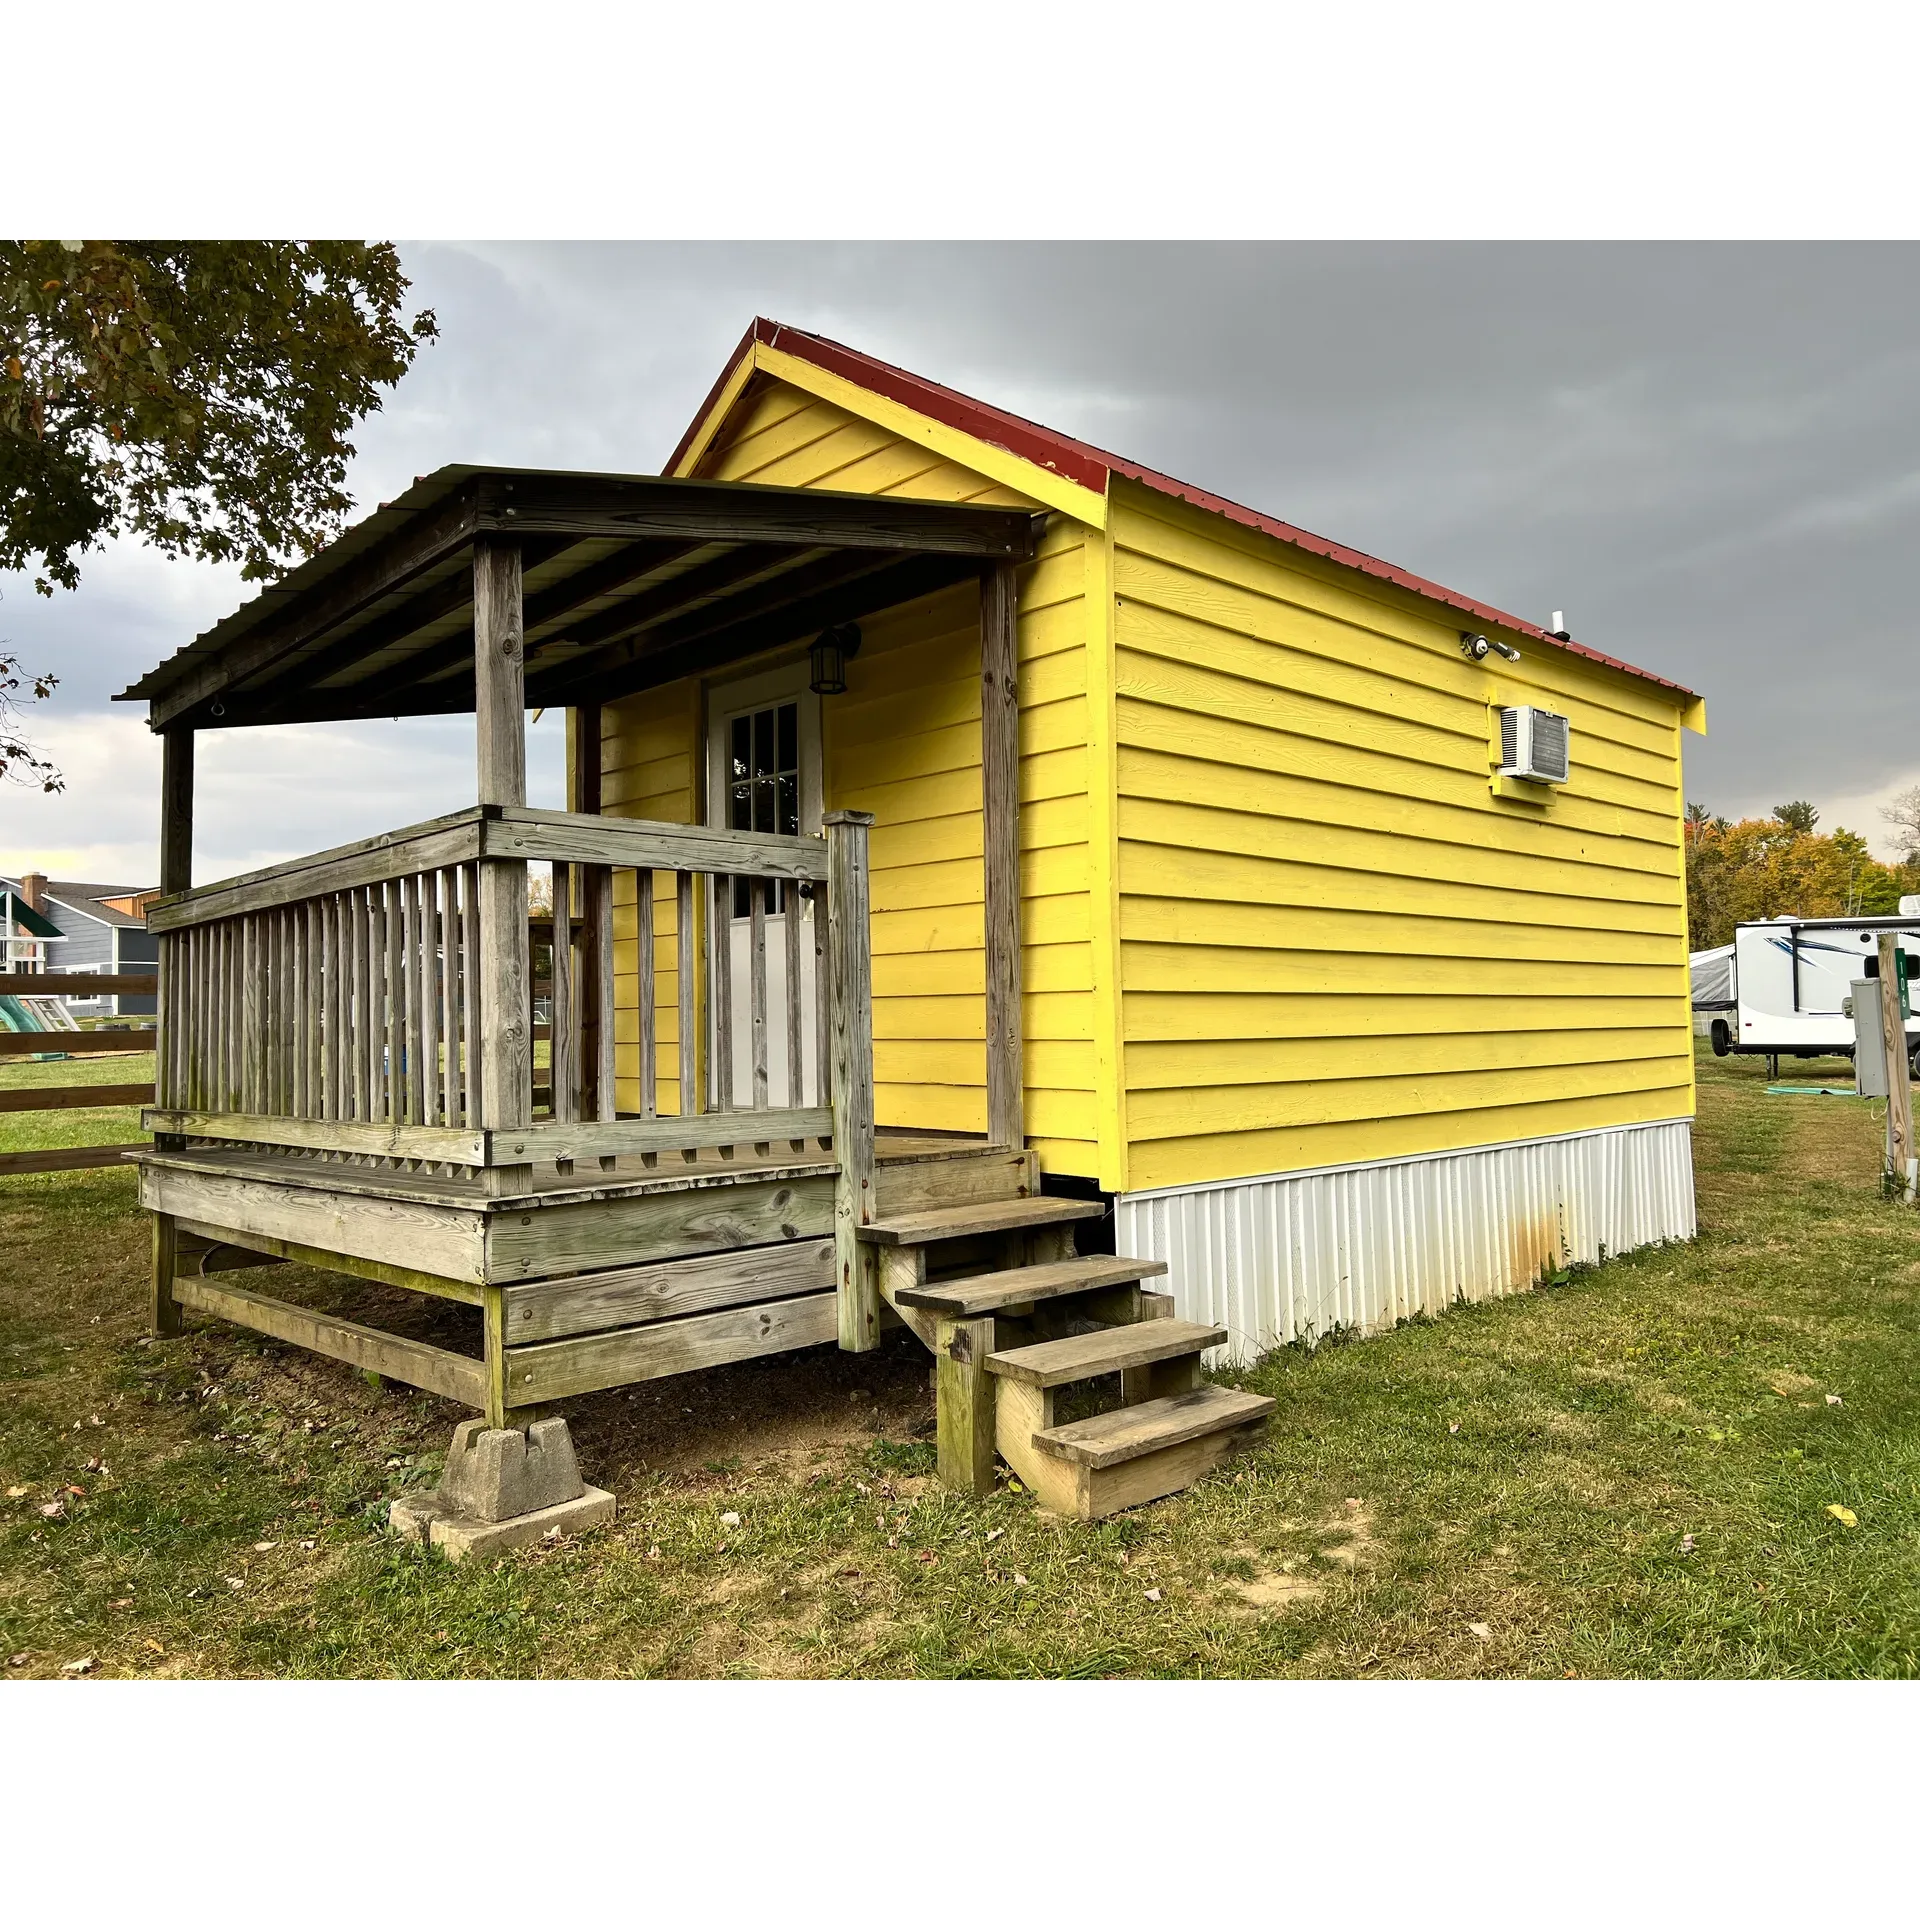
pixel 1003 895
pixel 1343 1024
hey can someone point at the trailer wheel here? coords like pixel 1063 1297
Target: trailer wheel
pixel 1913 1060
pixel 1722 1040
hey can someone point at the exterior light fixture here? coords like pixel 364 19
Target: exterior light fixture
pixel 828 656
pixel 1476 646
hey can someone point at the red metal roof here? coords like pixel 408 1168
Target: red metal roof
pixel 1089 467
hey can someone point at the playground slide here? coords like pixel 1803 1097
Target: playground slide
pixel 32 1015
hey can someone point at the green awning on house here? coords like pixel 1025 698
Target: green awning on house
pixel 27 925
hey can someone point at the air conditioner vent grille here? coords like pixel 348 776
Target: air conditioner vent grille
pixel 1535 745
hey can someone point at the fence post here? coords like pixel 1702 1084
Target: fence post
pixel 1901 1163
pixel 850 965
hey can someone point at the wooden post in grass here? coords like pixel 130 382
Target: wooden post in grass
pixel 165 1317
pixel 1901 1164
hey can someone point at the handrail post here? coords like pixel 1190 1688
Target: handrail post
pixel 850 964
pixel 500 741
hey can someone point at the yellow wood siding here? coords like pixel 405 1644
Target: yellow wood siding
pixel 904 743
pixel 1334 943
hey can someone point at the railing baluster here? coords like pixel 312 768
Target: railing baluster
pixel 790 954
pixel 394 931
pixel 648 993
pixel 447 958
pixel 720 950
pixel 470 989
pixel 414 1064
pixel 822 999
pixel 757 988
pixel 369 939
pixel 685 988
pixel 562 1101
pixel 427 954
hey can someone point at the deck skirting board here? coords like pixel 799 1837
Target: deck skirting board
pixel 1291 1256
pixel 560 1368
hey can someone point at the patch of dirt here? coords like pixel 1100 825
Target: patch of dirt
pixel 1278 1588
pixel 1786 1384
pixel 781 1414
pixel 1359 1548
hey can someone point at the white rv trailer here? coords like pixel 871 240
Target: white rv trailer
pixel 1789 980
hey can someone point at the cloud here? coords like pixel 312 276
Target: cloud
pixel 1701 453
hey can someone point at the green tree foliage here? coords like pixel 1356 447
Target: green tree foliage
pixel 195 394
pixel 1756 869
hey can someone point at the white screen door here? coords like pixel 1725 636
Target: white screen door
pixel 763 776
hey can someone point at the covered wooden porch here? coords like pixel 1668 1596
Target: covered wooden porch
pixel 378 1058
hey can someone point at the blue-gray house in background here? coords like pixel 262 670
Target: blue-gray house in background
pixel 101 932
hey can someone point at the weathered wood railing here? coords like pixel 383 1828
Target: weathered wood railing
pixel 372 1001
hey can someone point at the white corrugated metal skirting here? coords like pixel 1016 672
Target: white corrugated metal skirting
pixel 1293 1256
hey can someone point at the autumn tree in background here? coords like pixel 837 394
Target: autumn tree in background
pixel 197 395
pixel 1758 869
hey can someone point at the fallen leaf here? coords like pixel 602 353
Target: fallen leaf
pixel 77 1492
pixel 80 1666
pixel 1153 1593
pixel 52 1510
pixel 1019 1579
pixel 307 1546
pixel 154 1646
pixel 235 1582
pixel 994 1533
pixel 1479 1629
pixel 729 1519
pixel 119 1603
pixel 264 1546
pixel 18 1659
pixel 653 1553
pixel 1570 1675
pixel 1686 1543
pixel 1834 1400
pixel 16 1493
pixel 1453 1426
pixel 1845 1515
pixel 926 1558
pixel 94 1420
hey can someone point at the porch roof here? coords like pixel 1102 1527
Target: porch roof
pixel 629 582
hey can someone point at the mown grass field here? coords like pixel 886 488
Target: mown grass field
pixel 1631 1471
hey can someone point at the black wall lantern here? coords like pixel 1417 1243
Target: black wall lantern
pixel 828 656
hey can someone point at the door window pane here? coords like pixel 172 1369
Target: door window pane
pixel 763 781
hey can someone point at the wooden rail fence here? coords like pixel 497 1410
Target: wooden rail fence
pixel 57 1099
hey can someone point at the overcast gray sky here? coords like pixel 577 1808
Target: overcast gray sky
pixel 1708 456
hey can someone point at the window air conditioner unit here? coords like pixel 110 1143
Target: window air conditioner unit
pixel 1534 745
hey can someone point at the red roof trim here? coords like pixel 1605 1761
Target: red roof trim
pixel 1089 467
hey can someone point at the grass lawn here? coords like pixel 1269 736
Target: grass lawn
pixel 1631 1471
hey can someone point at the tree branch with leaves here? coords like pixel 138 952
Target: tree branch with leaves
pixel 197 395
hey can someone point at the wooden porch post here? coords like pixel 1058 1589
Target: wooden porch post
pixel 596 927
pixel 176 876
pixel 1000 817
pixel 499 700
pixel 176 810
pixel 850 964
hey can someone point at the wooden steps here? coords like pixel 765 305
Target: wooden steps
pixel 1112 1439
pixel 1086 1356
pixel 1022 1286
pixel 981 1217
pixel 1003 1353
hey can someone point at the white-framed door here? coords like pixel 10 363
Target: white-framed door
pixel 764 776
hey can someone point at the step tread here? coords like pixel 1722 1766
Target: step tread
pixel 1085 1356
pixel 979 1216
pixel 1108 1439
pixel 1020 1286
